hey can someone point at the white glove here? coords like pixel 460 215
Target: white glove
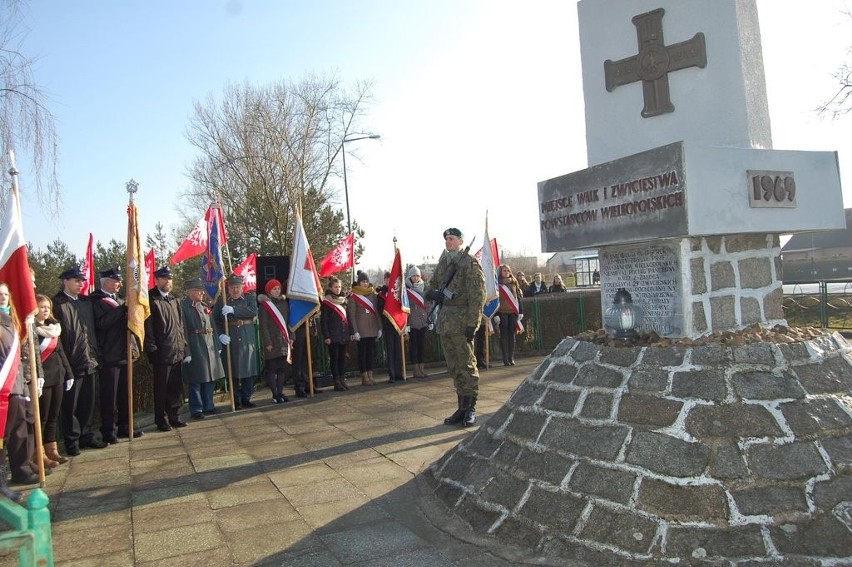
pixel 227 310
pixel 187 360
pixel 224 339
pixel 357 336
pixel 69 384
pixel 520 317
pixel 431 327
pixel 40 384
pixel 379 334
pixel 406 330
pixel 496 319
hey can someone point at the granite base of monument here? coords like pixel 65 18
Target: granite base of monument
pixel 666 455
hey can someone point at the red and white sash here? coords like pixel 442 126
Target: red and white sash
pixel 9 371
pixel 109 301
pixel 416 298
pixel 506 293
pixel 337 309
pixel 364 302
pixel 277 318
pixel 46 347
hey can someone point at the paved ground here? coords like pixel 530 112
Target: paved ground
pixel 326 481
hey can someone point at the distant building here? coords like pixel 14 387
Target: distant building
pixel 819 256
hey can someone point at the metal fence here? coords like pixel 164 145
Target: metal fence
pixel 824 304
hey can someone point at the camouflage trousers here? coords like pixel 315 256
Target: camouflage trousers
pixel 461 363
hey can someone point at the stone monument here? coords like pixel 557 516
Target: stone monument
pixel 705 454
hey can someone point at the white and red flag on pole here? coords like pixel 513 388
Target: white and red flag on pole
pixel 248 270
pixel 396 303
pixel 14 264
pixel 150 268
pixel 341 257
pixel 89 268
pixel 196 243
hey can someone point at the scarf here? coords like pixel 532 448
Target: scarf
pixel 336 303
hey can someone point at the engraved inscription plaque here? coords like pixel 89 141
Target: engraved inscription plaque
pixel 771 189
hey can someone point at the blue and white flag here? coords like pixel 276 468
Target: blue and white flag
pixel 490 262
pixel 211 261
pixel 303 288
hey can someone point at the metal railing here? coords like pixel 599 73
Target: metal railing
pixel 30 535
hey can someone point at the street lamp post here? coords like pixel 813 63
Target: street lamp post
pixel 347 139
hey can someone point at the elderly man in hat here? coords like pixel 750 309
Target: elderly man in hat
pixel 240 339
pixel 76 317
pixel 111 327
pixel 202 367
pixel 459 286
pixel 165 344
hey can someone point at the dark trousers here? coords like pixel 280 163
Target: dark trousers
pixel 508 325
pixel 20 436
pixel 274 370
pixel 366 353
pixel 300 359
pixel 243 389
pixel 113 392
pixel 393 350
pixel 78 408
pixel 49 405
pixel 416 342
pixel 337 356
pixel 168 392
pixel 479 345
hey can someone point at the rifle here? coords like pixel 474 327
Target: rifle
pixel 439 295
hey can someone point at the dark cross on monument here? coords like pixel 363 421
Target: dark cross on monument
pixel 654 62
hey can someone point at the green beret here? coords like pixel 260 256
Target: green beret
pixel 454 232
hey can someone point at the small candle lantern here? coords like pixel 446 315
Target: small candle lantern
pixel 623 318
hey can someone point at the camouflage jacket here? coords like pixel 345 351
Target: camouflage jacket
pixel 468 285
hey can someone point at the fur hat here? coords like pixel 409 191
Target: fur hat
pixel 270 284
pixel 413 271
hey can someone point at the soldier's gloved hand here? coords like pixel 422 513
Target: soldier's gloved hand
pixel 497 320
pixel 40 384
pixel 356 337
pixel 224 339
pixel 379 334
pixel 435 295
pixel 468 333
pixel 431 327
pixel 520 317
pixel 69 384
pixel 227 310
pixel 187 359
pixel 407 330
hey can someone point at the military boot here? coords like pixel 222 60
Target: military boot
pixel 469 412
pixel 458 415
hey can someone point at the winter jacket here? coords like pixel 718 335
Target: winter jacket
pixel 165 341
pixel 79 334
pixel 270 332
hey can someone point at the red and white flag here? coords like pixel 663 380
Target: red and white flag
pixel 196 243
pixel 14 264
pixel 150 268
pixel 248 270
pixel 89 269
pixel 396 302
pixel 341 257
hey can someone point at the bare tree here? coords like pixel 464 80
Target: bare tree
pixel 266 149
pixel 26 123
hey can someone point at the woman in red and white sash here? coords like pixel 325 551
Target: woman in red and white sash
pixel 335 331
pixel 57 374
pixel 509 314
pixel 418 320
pixel 273 313
pixel 365 324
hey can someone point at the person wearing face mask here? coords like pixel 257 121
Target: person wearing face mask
pixel 459 286
pixel 273 316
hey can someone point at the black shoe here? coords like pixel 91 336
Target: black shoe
pixel 198 415
pixel 93 444
pixel 164 427
pixel 283 399
pixel 25 479
pixel 111 439
pixel 301 394
pixel 177 423
pixel 511 363
pixel 72 449
pixel 136 434
pixel 248 404
pixel 213 411
pixel 481 365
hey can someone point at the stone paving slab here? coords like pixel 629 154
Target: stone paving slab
pixel 330 480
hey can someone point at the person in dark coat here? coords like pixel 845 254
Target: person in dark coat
pixel 79 339
pixel 57 374
pixel 393 348
pixel 165 344
pixel 8 340
pixel 335 331
pixel 273 319
pixel 240 339
pixel 111 327
pixel 202 367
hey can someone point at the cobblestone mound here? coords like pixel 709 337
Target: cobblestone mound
pixel 710 454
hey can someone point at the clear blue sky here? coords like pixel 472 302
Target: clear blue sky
pixel 476 102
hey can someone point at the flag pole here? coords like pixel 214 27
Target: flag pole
pixel 13 171
pixel 401 331
pixel 231 384
pixel 132 187
pixel 307 325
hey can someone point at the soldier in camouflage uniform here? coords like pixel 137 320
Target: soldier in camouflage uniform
pixel 461 300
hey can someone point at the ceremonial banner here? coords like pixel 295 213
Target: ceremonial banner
pixel 197 241
pixel 211 262
pixel 150 268
pixel 490 261
pixel 341 257
pixel 138 307
pixel 303 288
pixel 396 302
pixel 248 270
pixel 89 269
